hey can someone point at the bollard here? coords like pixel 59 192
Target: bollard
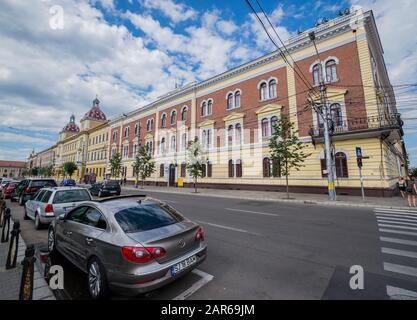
pixel 26 284
pixel 6 225
pixel 14 246
pixel 2 211
pixel 46 260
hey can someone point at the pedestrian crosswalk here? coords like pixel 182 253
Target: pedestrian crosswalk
pixel 398 236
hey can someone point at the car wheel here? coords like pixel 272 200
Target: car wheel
pixel 21 201
pixel 51 240
pixel 25 214
pixel 97 280
pixel 38 223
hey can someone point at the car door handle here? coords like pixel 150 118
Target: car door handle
pixel 68 233
pixel 89 240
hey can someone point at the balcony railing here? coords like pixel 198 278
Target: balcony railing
pixel 374 123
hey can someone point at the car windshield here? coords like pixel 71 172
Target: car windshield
pixel 71 196
pixel 147 217
pixel 43 183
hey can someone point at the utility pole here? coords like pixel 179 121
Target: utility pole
pixel 323 111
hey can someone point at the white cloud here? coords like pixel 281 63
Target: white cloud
pixel 177 12
pixel 16 138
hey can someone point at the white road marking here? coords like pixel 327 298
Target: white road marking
pixel 396 219
pixel 397 222
pixel 228 228
pixel 410 271
pixel 394 226
pixel 396 211
pixel 403 253
pixel 398 232
pixel 405 216
pixel 401 294
pixel 205 278
pixel 399 241
pixel 256 212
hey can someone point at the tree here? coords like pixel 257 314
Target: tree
pixel 34 171
pixel 286 149
pixel 116 165
pixel 196 159
pixel 143 166
pixel 49 171
pixel 413 172
pixel 69 168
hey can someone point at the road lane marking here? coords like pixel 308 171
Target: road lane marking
pixel 398 210
pixel 228 228
pixel 397 268
pixel 405 216
pixel 205 278
pixel 396 252
pixel 398 232
pixel 396 219
pixel 397 222
pixel 256 212
pixel 401 294
pixel 399 241
pixel 397 227
pixel 412 213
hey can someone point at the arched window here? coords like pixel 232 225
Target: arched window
pixel 184 114
pixel 163 145
pixel 274 122
pixel 317 73
pixel 336 114
pixel 209 107
pixel 230 135
pixel 173 117
pixel 114 136
pixel 237 99
pixel 238 133
pixel 173 143
pixel 266 167
pixel 231 169
pixel 265 128
pixel 341 165
pixel 272 89
pixel 239 169
pixel 230 101
pixel 184 141
pixel 204 109
pixel 161 170
pixel 263 91
pixel 164 121
pixel 331 73
pixel 136 129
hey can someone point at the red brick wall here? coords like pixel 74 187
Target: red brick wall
pixel 178 108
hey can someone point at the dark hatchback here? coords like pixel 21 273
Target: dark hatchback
pixel 106 188
pixel 28 187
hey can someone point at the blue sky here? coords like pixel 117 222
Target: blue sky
pixel 131 52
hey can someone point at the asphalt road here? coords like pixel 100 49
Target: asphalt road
pixel 266 250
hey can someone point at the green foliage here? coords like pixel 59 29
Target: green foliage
pixel 116 165
pixel 69 168
pixel 413 172
pixel 143 166
pixel 195 159
pixel 34 171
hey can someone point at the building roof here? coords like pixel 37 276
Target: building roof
pixel 71 126
pixel 12 164
pixel 95 112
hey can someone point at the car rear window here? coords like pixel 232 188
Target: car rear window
pixel 71 196
pixel 112 183
pixel 43 183
pixel 147 217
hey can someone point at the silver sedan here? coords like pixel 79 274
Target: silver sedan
pixel 128 244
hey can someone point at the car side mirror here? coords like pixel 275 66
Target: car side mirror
pixel 62 216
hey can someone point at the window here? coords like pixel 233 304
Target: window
pixel 183 170
pixel 239 168
pixel 71 196
pixel 231 169
pixel 184 114
pixel 149 125
pixel 203 170
pixel 336 114
pixel 272 89
pixel 266 167
pixel 230 101
pixel 161 170
pixel 209 107
pixel 317 74
pixel 173 117
pixel 125 151
pixel 136 129
pixel 126 132
pixel 209 169
pixel 135 150
pixel 204 109
pixel 263 91
pixel 237 99
pixel 114 136
pixel 208 139
pixel 173 144
pixel 274 122
pixel 77 215
pixel 341 165
pixel 204 137
pixel 331 74
pixel 163 145
pixel 230 135
pixel 238 133
pixel 265 128
pixel 164 121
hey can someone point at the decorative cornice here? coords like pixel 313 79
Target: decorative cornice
pixel 269 108
pixel 234 116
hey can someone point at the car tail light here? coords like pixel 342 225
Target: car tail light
pixel 200 234
pixel 49 208
pixel 29 190
pixel 141 254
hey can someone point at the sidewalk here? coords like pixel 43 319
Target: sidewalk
pixel 10 279
pixel 302 198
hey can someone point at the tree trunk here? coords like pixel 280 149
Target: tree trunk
pixel 143 183
pixel 286 180
pixel 195 184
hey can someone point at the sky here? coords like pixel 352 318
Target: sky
pixel 57 55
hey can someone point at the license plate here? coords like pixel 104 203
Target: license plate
pixel 177 268
pixel 112 191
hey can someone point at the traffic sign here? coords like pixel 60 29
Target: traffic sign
pixel 358 152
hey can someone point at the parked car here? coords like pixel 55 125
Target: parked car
pixel 106 188
pixel 4 182
pixel 49 203
pixel 8 189
pixel 127 244
pixel 68 183
pixel 28 187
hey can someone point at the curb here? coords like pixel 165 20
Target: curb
pixel 295 201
